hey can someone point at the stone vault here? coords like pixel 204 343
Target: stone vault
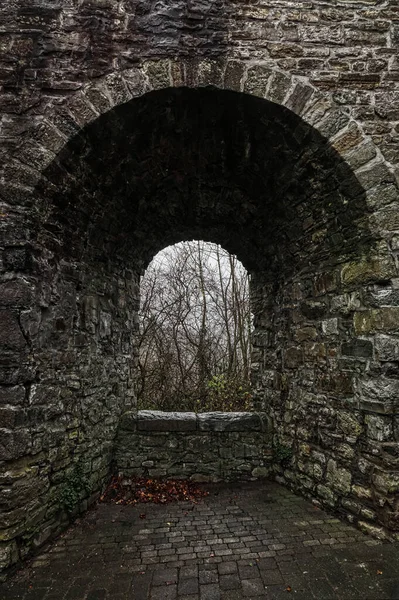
pixel 129 126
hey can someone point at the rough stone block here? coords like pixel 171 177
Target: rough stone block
pixel 256 80
pixel 330 326
pixel 371 321
pixel 379 427
pixel 293 357
pixel 152 420
pixel 346 303
pixel 378 395
pixel 349 424
pixel 279 86
pixel 15 293
pixel 386 482
pixel 369 177
pixel 128 421
pixel 158 74
pixel 387 347
pixel 11 337
pixel 358 348
pixel 13 395
pixel 233 76
pixel 368 270
pixel 339 478
pixel 219 421
pixel 299 97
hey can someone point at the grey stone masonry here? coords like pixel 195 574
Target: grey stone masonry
pixel 212 446
pixel 268 127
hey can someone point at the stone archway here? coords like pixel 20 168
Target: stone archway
pixel 149 163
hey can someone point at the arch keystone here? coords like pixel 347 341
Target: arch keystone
pixel 118 89
pixel 158 74
pixel 234 76
pixel 135 81
pixel 211 72
pixel 257 79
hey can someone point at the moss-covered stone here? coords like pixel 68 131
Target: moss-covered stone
pixel 368 269
pixel 386 482
pixel 370 321
pixel 339 478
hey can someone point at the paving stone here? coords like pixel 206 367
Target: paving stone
pixel 226 568
pixel 79 565
pixel 188 572
pixel 188 586
pixel 164 576
pixel 252 587
pixel 97 595
pixel 208 577
pixel 164 593
pixel 209 592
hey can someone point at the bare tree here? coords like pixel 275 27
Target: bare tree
pixel 194 346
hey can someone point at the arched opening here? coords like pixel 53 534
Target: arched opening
pixel 236 170
pixel 194 346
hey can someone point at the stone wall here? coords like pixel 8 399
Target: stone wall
pixel 105 159
pixel 334 402
pixel 200 447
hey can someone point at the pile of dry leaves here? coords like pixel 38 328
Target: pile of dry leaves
pixel 140 489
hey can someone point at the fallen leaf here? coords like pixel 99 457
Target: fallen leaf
pixel 134 490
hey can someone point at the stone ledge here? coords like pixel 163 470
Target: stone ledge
pixel 154 420
pixel 159 421
pixel 235 421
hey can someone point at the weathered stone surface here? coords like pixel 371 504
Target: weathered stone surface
pixel 319 239
pixel 11 337
pixel 349 424
pixel 367 270
pixel 387 347
pixel 383 319
pixel 128 421
pixel 15 294
pixel 339 478
pixel 380 395
pixel 223 446
pixel 330 326
pixel 379 427
pixel 386 482
pixel 218 421
pixel 152 420
pixel 14 395
pixel 358 348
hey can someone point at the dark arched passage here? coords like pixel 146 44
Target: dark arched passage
pixel 184 163
pixel 174 165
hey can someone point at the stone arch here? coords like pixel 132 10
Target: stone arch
pixel 320 322
pixel 260 79
pixel 43 142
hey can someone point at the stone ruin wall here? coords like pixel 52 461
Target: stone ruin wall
pixel 205 447
pixel 326 345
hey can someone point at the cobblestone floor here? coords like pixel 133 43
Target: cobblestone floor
pixel 256 541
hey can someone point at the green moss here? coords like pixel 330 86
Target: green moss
pixel 75 483
pixel 282 454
